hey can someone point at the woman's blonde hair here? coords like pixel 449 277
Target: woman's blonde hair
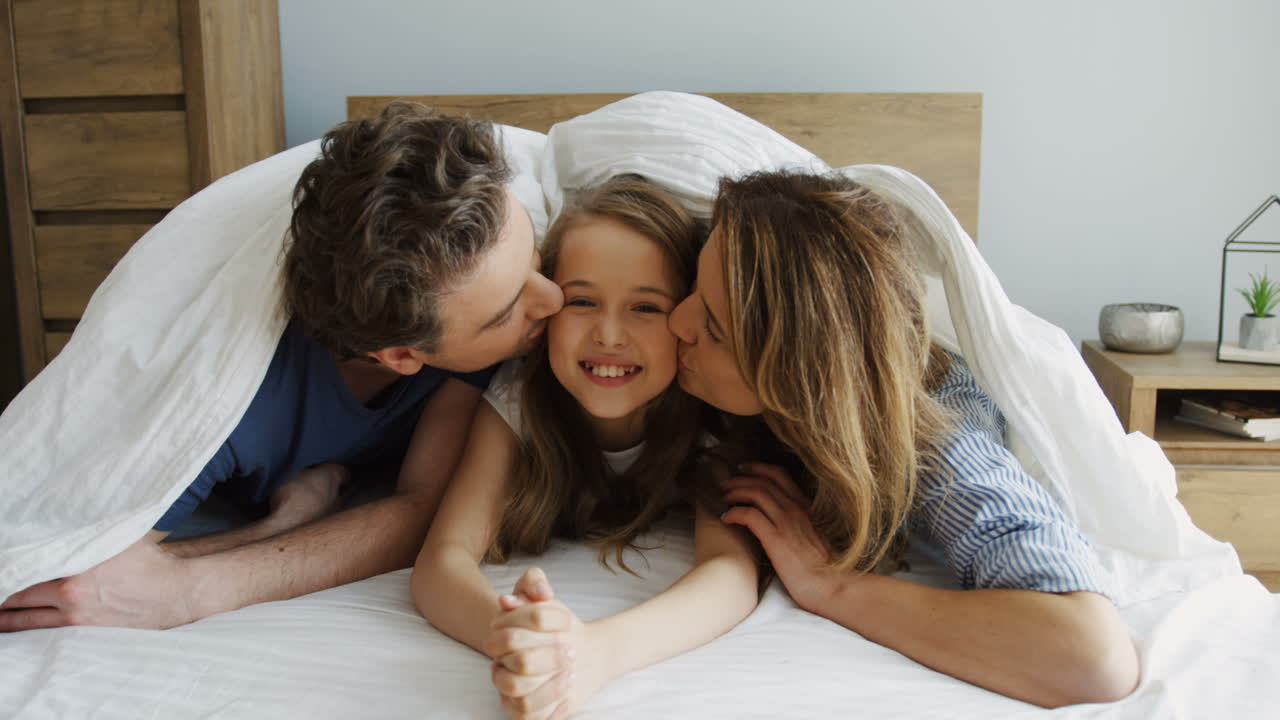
pixel 827 322
pixel 560 484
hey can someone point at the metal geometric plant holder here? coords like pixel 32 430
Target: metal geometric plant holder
pixel 1235 245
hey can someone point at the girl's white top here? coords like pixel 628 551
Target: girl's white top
pixel 504 395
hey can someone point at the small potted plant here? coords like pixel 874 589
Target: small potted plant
pixel 1259 329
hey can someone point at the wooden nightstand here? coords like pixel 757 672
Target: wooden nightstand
pixel 1229 485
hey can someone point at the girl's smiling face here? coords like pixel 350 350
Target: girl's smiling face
pixel 610 346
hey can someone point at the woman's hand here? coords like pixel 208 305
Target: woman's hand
pixel 546 664
pixel 765 500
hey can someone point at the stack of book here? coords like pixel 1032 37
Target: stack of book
pixel 1242 415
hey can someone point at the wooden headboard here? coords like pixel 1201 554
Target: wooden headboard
pixel 937 136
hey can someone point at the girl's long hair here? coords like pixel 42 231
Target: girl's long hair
pixel 827 322
pixel 560 484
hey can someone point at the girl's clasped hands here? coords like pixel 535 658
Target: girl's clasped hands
pixel 546 661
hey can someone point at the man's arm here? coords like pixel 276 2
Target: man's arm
pixel 361 542
pixel 147 587
pixel 310 495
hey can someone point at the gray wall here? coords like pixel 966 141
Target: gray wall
pixel 1122 140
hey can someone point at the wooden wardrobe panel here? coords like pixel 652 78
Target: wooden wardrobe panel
pixel 74 259
pixel 112 112
pixel 18 204
pixel 235 102
pixel 10 359
pixel 82 48
pixel 107 161
pixel 54 342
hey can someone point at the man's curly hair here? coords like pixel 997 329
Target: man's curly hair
pixel 396 211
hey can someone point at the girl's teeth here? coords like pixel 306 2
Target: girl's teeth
pixel 609 371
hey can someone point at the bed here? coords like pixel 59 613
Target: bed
pixel 1208 635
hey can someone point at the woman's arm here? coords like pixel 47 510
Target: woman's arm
pixel 709 600
pixel 1048 649
pixel 1044 648
pixel 447 585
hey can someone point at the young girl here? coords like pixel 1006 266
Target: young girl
pixel 587 439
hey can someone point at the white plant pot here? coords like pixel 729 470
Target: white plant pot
pixel 1259 333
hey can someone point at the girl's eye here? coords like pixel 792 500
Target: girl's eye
pixel 580 302
pixel 647 308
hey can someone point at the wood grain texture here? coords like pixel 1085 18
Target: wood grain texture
pixel 1241 507
pixel 1134 404
pixel 1229 485
pixel 106 104
pixel 235 100
pixel 937 136
pixel 1235 456
pixel 1142 411
pixel 1145 389
pixel 17 204
pixel 1269 579
pixel 10 359
pixel 123 108
pixel 533 112
pixel 1116 384
pixel 107 161
pixel 1187 444
pixel 74 259
pixel 78 48
pixel 54 342
pixel 1194 366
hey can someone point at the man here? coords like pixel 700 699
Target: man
pixel 411 267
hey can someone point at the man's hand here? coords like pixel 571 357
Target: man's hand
pixel 142 587
pixel 546 661
pixel 312 494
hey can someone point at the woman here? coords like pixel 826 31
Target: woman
pixel 807 325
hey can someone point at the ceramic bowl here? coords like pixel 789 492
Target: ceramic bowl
pixel 1140 327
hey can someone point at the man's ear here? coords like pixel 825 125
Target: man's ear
pixel 403 359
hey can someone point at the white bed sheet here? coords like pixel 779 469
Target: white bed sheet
pixel 362 650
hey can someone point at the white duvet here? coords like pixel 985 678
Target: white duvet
pixel 174 343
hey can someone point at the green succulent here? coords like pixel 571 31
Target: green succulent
pixel 1263 295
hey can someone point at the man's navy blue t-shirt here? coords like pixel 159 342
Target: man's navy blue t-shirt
pixel 304 415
